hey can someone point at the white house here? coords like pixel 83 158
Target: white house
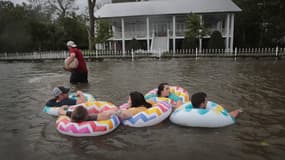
pixel 160 24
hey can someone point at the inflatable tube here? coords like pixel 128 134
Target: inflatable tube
pixel 213 116
pixel 88 97
pixel 88 128
pixel 54 110
pixel 176 93
pixel 152 116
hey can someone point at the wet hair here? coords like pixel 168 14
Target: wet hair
pixel 79 114
pixel 160 88
pixel 197 99
pixel 138 99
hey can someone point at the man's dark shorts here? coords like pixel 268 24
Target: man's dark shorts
pixel 78 76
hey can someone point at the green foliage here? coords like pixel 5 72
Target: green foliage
pixel 13 24
pixel 260 24
pixel 194 30
pixel 190 43
pixel 34 27
pixel 103 31
pixel 74 29
pixel 216 41
pixel 27 28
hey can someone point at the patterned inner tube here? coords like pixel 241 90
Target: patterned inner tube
pixel 89 128
pixel 176 93
pixel 152 116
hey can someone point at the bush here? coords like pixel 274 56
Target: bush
pixel 216 41
pixel 189 43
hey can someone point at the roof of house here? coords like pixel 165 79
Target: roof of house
pixel 165 7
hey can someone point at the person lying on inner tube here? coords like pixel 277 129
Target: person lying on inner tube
pixel 61 98
pixel 163 90
pixel 200 100
pixel 80 114
pixel 136 104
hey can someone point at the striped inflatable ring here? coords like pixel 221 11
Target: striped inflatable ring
pixel 54 110
pixel 176 93
pixel 89 128
pixel 213 116
pixel 152 116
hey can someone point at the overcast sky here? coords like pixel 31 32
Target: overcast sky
pixel 78 2
pixel 81 3
pixel 17 1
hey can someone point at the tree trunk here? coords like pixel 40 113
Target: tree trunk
pixel 91 36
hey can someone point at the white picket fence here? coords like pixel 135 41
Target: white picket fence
pixel 238 52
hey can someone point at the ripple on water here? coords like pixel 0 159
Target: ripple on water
pixel 256 86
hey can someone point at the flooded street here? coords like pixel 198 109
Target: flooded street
pixel 257 86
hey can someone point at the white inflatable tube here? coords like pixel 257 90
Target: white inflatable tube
pixel 52 110
pixel 211 117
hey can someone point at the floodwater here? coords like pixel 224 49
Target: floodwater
pixel 257 86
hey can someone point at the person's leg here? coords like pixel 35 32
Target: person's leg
pixel 74 77
pixel 84 77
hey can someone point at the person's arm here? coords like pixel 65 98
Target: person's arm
pixel 71 58
pixel 124 114
pixel 235 113
pixel 80 97
pixel 63 110
pixel 51 103
pixel 178 104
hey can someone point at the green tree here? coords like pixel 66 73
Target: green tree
pixel 14 36
pixel 29 28
pixel 58 8
pixel 194 30
pixel 39 33
pixel 260 24
pixel 75 29
pixel 103 31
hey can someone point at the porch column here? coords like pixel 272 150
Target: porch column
pixel 227 32
pixel 123 37
pixel 147 33
pixel 232 32
pixel 174 34
pixel 113 32
pixel 200 37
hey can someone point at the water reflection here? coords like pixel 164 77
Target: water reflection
pixel 256 86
